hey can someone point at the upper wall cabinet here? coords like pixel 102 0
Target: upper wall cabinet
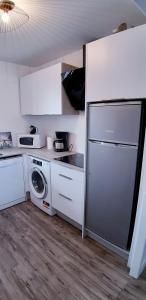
pixel 42 93
pixel 116 66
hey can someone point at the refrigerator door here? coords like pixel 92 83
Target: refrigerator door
pixel 115 123
pixel 110 187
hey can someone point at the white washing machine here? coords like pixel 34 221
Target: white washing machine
pixel 40 184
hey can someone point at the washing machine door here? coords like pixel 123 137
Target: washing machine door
pixel 38 183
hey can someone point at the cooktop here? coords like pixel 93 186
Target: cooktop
pixel 73 159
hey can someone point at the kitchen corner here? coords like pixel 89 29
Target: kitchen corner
pixel 72 150
pixel 48 178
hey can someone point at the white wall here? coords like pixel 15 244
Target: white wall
pixel 10 118
pixel 137 257
pixel 75 58
pixel 74 124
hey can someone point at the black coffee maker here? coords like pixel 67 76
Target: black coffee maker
pixel 61 142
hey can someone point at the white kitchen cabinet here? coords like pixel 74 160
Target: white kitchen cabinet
pixel 116 66
pixel 42 92
pixel 67 191
pixel 12 190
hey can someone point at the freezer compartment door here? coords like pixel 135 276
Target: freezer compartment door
pixel 110 188
pixel 115 123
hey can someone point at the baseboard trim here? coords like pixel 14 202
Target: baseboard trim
pixel 12 203
pixel 67 219
pixel 110 246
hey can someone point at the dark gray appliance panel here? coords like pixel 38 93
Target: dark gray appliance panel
pixel 110 187
pixel 119 123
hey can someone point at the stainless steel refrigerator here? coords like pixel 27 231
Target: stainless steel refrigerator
pixel 112 170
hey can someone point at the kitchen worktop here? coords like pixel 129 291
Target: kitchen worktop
pixel 42 153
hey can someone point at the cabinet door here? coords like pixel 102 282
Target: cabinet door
pixel 110 189
pixel 114 123
pixel 11 180
pixel 116 66
pixel 67 192
pixel 41 92
pixel 26 95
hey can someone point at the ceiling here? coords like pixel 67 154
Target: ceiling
pixel 58 27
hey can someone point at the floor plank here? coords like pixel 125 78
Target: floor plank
pixel 44 258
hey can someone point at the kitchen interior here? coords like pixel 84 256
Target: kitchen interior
pixel 72 149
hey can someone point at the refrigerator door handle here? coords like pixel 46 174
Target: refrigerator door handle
pixel 127 146
pixel 95 141
pixel 112 144
pixel 115 103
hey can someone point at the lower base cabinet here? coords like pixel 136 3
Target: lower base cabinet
pixel 68 191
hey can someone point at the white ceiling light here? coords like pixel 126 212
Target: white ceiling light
pixel 11 16
pixel 5 17
pixel 59 27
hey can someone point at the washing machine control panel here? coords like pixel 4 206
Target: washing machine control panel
pixel 37 162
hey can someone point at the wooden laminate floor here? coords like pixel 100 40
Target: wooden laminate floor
pixel 44 258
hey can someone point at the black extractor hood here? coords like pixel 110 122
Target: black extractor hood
pixel 74 85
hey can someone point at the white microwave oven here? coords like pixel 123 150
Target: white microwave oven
pixel 35 141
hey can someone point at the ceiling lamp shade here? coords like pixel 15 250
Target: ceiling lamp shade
pixel 11 16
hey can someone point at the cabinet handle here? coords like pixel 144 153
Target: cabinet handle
pixel 67 198
pixel 66 177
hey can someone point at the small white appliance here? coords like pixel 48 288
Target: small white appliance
pixel 40 184
pixel 30 141
pixel 50 142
